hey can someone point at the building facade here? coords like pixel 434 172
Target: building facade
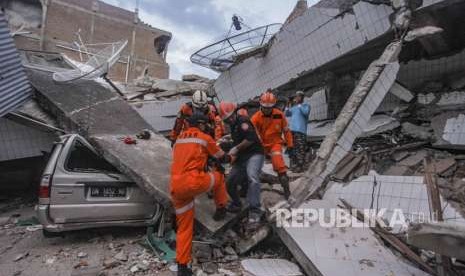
pixel 77 28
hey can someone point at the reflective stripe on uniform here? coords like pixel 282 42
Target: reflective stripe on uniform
pixel 212 181
pixel 276 153
pixel 268 105
pixel 191 141
pixel 185 208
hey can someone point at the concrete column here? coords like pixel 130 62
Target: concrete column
pixel 133 43
pixel 95 10
pixel 45 4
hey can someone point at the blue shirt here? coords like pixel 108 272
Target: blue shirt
pixel 299 117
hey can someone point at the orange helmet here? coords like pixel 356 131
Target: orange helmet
pixel 267 99
pixel 226 110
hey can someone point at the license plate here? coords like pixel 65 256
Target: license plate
pixel 107 192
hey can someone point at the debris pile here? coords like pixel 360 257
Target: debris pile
pixel 148 88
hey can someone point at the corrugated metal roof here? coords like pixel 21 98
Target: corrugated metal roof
pixel 15 88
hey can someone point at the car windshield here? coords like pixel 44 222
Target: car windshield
pixel 83 159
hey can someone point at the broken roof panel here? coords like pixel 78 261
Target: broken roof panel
pixel 14 85
pixel 449 129
pixel 407 193
pixel 377 124
pixel 18 141
pixel 32 109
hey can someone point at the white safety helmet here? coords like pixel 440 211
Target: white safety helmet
pixel 200 99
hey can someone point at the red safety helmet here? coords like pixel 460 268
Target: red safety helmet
pixel 267 99
pixel 227 109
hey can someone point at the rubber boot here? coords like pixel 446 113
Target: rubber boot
pixel 233 208
pixel 184 270
pixel 284 180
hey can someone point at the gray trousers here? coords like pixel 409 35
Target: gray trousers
pixel 300 143
pixel 246 173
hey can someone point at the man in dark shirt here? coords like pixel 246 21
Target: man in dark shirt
pixel 249 157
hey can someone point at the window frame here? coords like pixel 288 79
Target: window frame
pixel 86 145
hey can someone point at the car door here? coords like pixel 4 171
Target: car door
pixel 86 188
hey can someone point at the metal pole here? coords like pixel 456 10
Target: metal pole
pixel 264 36
pixel 232 46
pixel 127 68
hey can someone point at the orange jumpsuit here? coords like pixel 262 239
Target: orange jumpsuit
pixel 188 180
pixel 219 128
pixel 181 123
pixel 271 129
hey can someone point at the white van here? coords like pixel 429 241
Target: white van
pixel 79 190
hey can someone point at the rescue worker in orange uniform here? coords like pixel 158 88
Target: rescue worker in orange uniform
pixel 189 179
pixel 219 125
pixel 199 104
pixel 271 125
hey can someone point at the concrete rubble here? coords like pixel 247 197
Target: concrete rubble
pixel 148 88
pixel 330 250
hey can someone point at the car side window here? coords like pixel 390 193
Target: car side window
pixel 83 159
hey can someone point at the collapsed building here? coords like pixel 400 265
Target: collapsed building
pixel 385 80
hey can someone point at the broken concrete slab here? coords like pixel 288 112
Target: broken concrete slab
pixel 419 132
pixel 444 166
pixel 452 99
pixel 103 118
pixel 407 193
pixel 441 237
pixel 398 156
pixel 377 124
pixel 330 250
pixel 370 91
pixel 159 85
pixel 204 210
pixel 414 159
pixel 270 267
pixel 347 169
pixel 195 78
pixel 401 92
pixel 449 128
pixel 425 98
pixel 397 170
pixel 160 115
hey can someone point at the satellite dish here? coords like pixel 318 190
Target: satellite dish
pixel 222 54
pixel 97 66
